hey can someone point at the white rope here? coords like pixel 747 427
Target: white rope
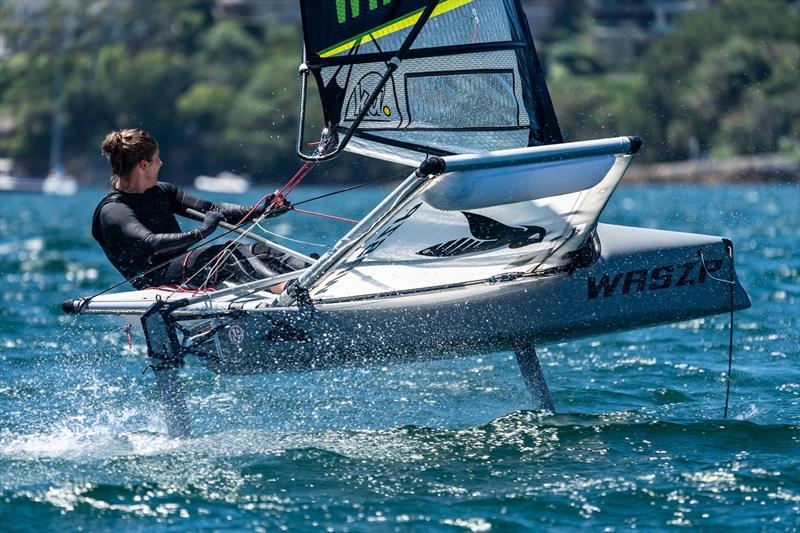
pixel 262 228
pixel 228 250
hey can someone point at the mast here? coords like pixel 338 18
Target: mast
pixel 56 166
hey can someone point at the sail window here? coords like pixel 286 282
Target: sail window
pixel 450 100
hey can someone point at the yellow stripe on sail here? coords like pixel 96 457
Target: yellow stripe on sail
pixel 410 20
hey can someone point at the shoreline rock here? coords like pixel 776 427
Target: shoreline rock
pixel 754 169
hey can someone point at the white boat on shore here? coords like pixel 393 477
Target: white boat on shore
pixel 57 182
pixel 9 183
pixel 225 182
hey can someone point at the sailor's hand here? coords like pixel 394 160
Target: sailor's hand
pixel 278 204
pixel 262 205
pixel 210 222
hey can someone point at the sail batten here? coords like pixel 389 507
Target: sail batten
pixel 382 57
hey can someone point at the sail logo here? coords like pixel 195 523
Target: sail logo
pixel 382 109
pixel 488 234
pixel 662 277
pixel 355 8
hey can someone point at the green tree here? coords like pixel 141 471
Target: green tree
pixel 203 111
pixel 705 70
pixel 227 54
pixel 767 117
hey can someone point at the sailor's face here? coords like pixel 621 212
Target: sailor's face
pixel 152 167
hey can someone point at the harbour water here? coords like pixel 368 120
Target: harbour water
pixel 638 440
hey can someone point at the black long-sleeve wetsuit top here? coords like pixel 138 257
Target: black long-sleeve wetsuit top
pixel 139 231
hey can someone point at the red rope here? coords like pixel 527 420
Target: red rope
pixel 327 216
pixel 252 210
pixel 184 264
pixel 177 288
pixel 296 179
pixel 277 200
pixel 218 262
pixel 282 192
pixel 302 173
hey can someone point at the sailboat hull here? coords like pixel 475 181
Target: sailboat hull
pixel 641 278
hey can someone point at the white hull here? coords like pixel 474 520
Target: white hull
pixel 383 292
pixel 651 277
pixel 642 277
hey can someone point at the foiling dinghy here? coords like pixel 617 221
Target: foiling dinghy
pixel 491 243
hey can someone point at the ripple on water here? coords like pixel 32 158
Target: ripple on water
pixel 408 447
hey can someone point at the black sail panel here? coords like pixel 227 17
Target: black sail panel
pixel 327 24
pixel 471 81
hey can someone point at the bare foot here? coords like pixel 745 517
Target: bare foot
pixel 277 289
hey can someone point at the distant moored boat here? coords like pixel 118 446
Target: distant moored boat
pixel 222 182
pixel 57 182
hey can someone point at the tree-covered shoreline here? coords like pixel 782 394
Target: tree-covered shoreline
pixel 222 94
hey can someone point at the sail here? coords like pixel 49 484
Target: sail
pixel 470 82
pixel 486 216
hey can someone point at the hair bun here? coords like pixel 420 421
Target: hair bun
pixel 112 143
pixel 126 148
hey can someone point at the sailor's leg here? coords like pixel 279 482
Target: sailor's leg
pixel 243 264
pixel 250 260
pixel 264 262
pixel 173 401
pixel 194 270
pixel 276 260
pixel 533 376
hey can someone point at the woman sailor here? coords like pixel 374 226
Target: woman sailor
pixel 135 225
